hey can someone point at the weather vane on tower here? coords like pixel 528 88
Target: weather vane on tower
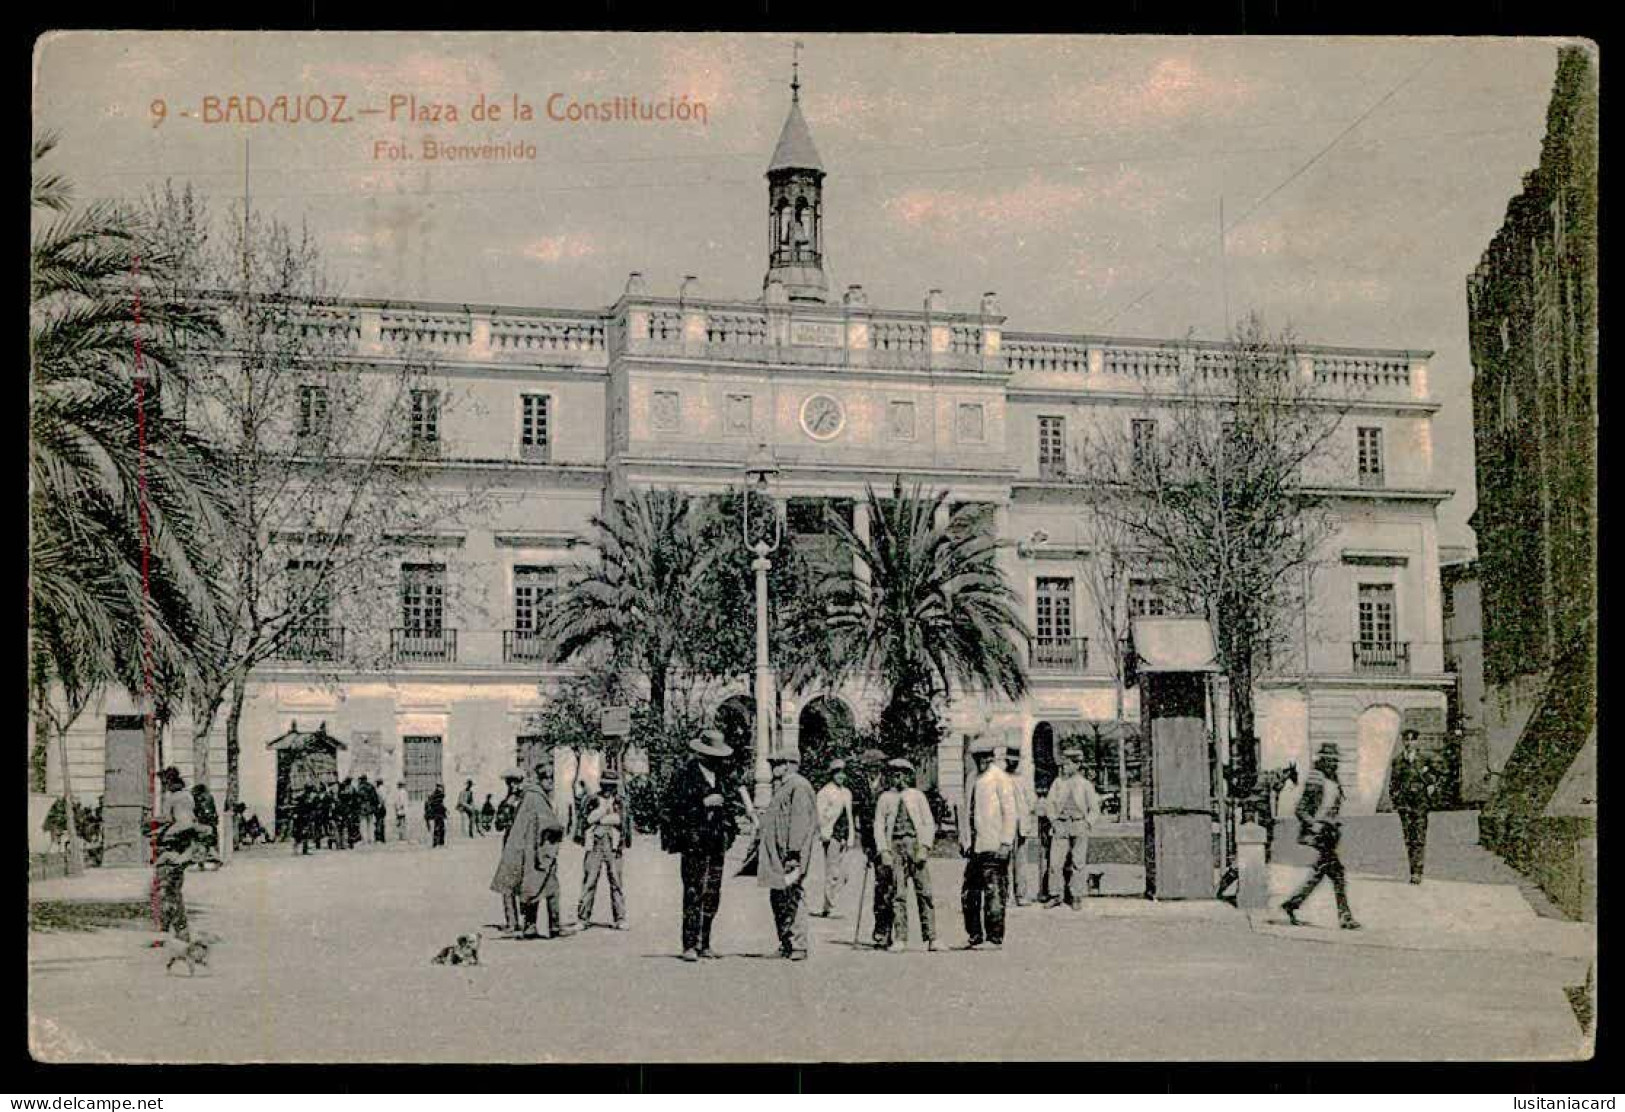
pixel 795 70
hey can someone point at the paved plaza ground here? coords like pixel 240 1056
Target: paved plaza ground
pixel 327 958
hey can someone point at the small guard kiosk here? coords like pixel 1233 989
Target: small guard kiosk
pixel 1173 661
pixel 302 758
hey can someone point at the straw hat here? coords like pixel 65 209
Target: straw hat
pixel 710 743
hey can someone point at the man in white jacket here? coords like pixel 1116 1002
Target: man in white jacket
pixel 986 838
pixel 837 827
pixel 905 833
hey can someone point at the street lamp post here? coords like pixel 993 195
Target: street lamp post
pixel 758 473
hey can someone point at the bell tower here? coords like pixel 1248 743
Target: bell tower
pixel 795 207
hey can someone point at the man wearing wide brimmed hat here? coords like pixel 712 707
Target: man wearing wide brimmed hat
pixel 788 833
pixel 905 830
pixel 836 824
pixel 1318 811
pixel 700 827
pixel 986 838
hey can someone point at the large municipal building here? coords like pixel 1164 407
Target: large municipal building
pixel 676 389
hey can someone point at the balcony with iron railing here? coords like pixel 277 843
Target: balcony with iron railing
pixel 1382 658
pixel 312 642
pixel 410 646
pixel 527 646
pixel 1064 655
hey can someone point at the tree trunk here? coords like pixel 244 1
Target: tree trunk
pixel 234 721
pixel 1122 755
pixel 657 692
pixel 76 856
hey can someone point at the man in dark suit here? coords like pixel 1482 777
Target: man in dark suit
pixel 700 825
pixel 1412 787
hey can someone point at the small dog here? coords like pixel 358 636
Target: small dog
pixel 465 951
pixel 193 951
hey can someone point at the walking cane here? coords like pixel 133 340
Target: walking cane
pixel 857 924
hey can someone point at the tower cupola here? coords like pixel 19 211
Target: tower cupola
pixel 795 205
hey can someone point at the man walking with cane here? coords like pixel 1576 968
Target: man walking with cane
pixel 835 823
pixel 789 832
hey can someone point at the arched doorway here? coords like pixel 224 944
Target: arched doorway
pixel 1045 766
pixel 1375 733
pixel 826 732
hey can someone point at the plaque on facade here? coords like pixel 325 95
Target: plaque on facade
pixel 736 420
pixel 970 425
pixel 663 411
pixel 816 333
pixel 902 420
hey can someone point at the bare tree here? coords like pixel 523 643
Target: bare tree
pixel 332 459
pixel 1107 576
pixel 1217 483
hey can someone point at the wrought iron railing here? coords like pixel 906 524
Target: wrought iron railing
pixel 408 645
pixel 312 642
pixel 1060 654
pixel 526 646
pixel 1382 657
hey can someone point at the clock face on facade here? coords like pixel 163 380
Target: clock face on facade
pixel 822 417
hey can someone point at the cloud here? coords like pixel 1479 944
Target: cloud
pixel 551 249
pixel 1036 205
pixel 1174 88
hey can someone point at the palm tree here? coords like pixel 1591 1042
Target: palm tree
pixel 928 609
pixel 123 504
pixel 638 601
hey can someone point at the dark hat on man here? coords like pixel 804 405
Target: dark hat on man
pixel 710 743
pixel 1328 751
pixel 1410 735
pixel 514 774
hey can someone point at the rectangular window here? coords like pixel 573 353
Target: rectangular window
pixel 311 635
pixel 1054 645
pixel 425 418
pixel 421 766
pixel 1051 446
pixel 423 599
pixel 1376 619
pixel 533 591
pixel 312 411
pixel 1370 456
pixel 1143 442
pixel 1147 598
pixel 737 421
pixel 535 426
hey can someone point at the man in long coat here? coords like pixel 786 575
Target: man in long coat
pixel 511 863
pixel 700 825
pixel 530 856
pixel 1411 788
pixel 789 831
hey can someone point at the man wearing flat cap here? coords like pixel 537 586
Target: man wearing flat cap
pixel 835 830
pixel 866 789
pixel 700 826
pixel 905 832
pixel 789 832
pixel 1074 808
pixel 986 838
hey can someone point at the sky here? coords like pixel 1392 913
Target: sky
pixel 1081 178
